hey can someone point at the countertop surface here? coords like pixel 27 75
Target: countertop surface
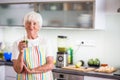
pixel 90 73
pixel 8 63
pixel 74 72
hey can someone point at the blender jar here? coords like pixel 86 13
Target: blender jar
pixel 62 43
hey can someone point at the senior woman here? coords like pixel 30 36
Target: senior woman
pixel 32 56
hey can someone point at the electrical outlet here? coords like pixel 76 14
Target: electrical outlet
pixel 87 43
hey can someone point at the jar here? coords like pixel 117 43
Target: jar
pixel 62 43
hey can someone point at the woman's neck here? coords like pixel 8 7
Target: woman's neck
pixel 32 36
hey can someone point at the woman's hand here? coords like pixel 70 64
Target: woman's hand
pixel 27 70
pixel 40 69
pixel 22 44
pixel 44 68
pixel 19 62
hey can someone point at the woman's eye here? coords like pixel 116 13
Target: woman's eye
pixel 28 23
pixel 31 23
pixel 34 23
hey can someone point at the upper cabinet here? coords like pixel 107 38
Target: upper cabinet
pixel 57 14
pixel 12 14
pixel 67 14
pixel 99 14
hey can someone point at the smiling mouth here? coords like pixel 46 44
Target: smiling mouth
pixel 30 29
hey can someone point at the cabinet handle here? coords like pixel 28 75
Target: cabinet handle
pixel 61 76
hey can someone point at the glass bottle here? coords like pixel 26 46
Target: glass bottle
pixel 70 55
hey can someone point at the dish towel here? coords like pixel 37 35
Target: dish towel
pixel 34 57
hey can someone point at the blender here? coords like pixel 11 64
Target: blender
pixel 61 60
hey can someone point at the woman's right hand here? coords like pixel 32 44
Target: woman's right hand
pixel 22 44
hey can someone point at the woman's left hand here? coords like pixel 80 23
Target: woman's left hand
pixel 27 70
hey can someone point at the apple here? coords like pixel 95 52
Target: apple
pixel 78 64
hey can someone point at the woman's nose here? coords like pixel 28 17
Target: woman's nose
pixel 31 25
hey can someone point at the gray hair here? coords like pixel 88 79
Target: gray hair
pixel 33 16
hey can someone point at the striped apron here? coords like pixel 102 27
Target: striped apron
pixel 34 57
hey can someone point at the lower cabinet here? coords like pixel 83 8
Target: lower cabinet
pixel 96 78
pixel 10 74
pixel 2 72
pixel 7 73
pixel 10 78
pixel 63 76
pixel 76 77
pixel 60 76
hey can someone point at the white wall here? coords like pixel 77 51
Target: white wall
pixel 111 40
pixel 106 41
pixel 1 35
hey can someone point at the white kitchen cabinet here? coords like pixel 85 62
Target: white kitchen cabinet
pixel 97 12
pixel 63 76
pixel 10 78
pixel 80 14
pixel 99 19
pixel 69 11
pixel 8 16
pixel 10 74
pixel 96 78
pixel 71 14
pixel 113 6
pixel 7 73
pixel 26 1
pixel 2 72
pixel 75 77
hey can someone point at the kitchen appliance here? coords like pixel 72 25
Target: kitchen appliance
pixel 64 76
pixel 62 60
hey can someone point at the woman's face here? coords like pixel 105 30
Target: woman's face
pixel 32 27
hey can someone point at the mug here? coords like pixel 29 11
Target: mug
pixel 7 56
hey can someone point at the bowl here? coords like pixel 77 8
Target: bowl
pixel 7 56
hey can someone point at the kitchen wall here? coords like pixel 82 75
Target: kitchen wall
pixel 106 42
pixel 111 40
pixel 1 35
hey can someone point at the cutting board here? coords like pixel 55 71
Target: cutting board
pixel 107 69
pixel 82 69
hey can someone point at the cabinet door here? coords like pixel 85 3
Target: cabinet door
pixel 12 14
pixel 10 78
pixel 99 20
pixel 76 77
pixel 67 14
pixel 2 72
pixel 9 72
pixel 77 14
pixel 95 78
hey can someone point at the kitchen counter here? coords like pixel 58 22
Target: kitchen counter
pixel 8 63
pixel 92 74
pixel 74 72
